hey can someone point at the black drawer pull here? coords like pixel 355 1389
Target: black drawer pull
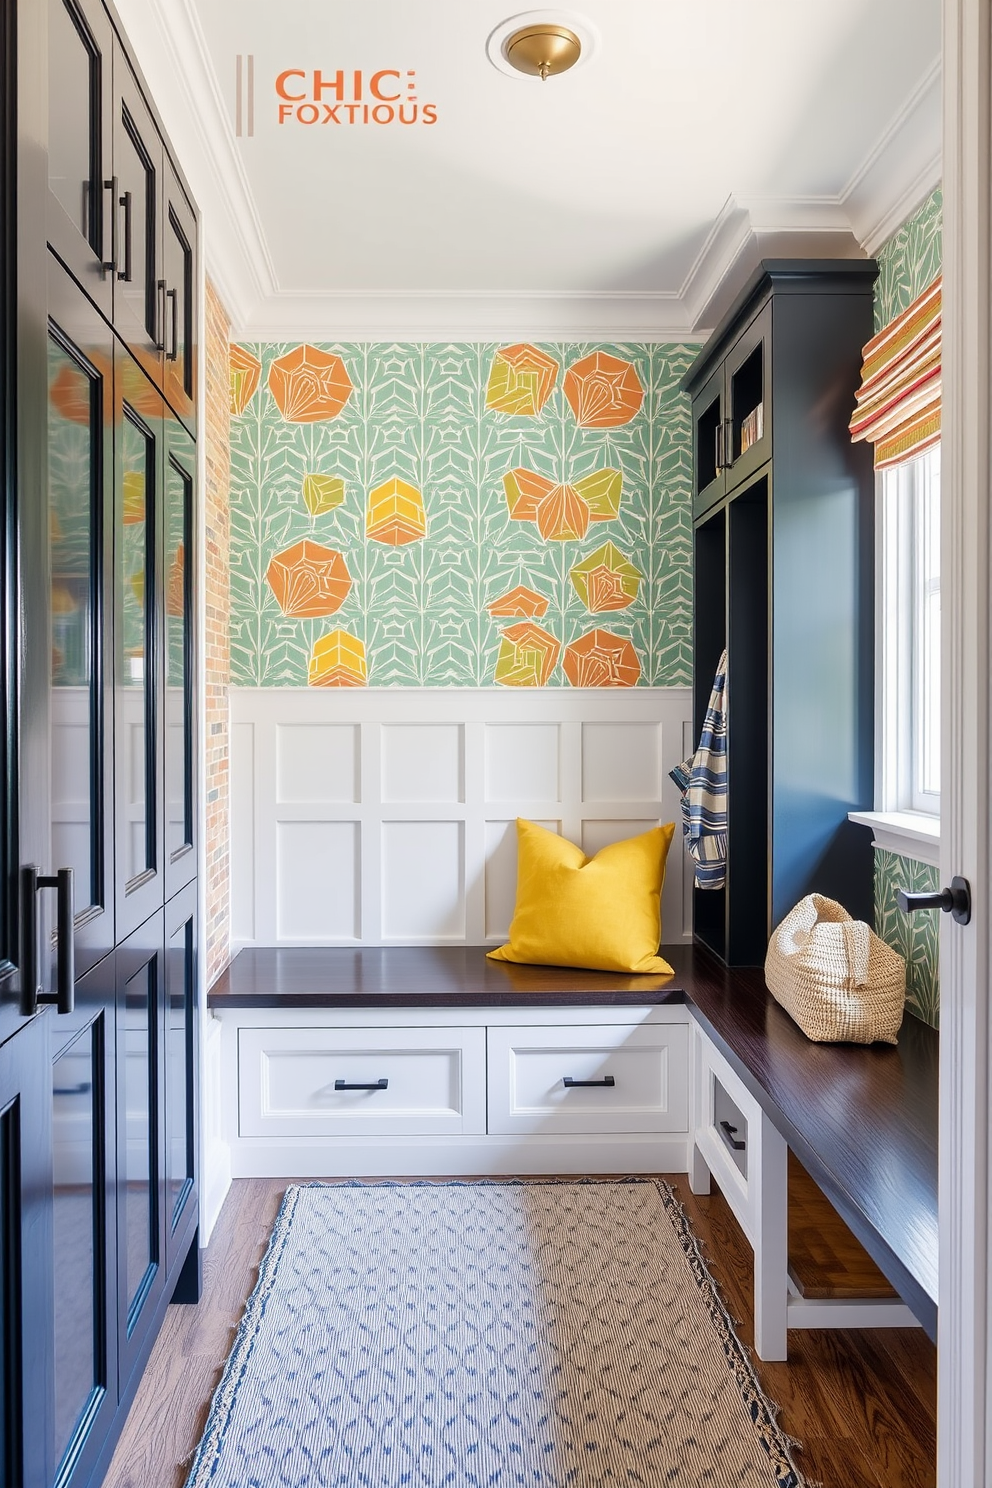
pixel 571 1084
pixel 729 1134
pixel 375 1085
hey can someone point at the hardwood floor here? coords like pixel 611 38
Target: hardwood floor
pixel 862 1403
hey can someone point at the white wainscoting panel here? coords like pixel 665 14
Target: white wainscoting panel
pixel 387 816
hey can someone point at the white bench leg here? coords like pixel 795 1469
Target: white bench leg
pixel 699 1173
pixel 770 1180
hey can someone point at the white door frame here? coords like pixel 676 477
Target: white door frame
pixel 963 1416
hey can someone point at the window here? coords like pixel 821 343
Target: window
pixel 909 636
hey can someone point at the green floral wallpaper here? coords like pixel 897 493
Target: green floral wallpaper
pixel 460 515
pixel 909 261
pixel 913 936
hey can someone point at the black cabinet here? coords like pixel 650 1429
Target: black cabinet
pixel 783 560
pixel 99 1010
pixel 139 633
pixel 83 1092
pixel 81 197
pixel 118 215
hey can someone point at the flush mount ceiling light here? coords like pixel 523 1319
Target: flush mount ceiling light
pixel 542 51
pixel 542 44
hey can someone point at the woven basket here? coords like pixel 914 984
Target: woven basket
pixel 834 976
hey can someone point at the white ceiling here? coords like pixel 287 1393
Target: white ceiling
pixel 611 200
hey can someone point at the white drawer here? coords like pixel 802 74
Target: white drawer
pixel 727 1129
pixel 434 1081
pixel 638 1074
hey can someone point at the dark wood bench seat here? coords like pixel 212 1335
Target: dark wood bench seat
pixel 862 1121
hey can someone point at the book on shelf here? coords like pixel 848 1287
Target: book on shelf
pixel 752 427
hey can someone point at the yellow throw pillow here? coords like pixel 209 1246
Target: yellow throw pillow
pixel 603 913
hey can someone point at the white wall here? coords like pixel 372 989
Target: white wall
pixel 387 816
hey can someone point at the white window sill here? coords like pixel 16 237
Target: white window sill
pixel 911 834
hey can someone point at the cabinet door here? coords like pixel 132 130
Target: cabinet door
pixel 138 505
pixel 80 496
pixel 84 1221
pixel 748 399
pixel 180 658
pixel 140 1143
pixel 25 1257
pixel 181 1091
pixel 139 292
pixel 709 459
pixel 80 171
pixel 179 272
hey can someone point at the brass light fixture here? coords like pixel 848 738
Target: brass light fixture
pixel 542 51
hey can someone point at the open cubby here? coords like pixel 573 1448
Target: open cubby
pixel 710 562
pixel 748 537
pixel 783 578
pixel 746 393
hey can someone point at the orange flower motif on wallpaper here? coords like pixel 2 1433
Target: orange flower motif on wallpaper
pixel 338 660
pixel 521 380
pixel 520 601
pixel 175 594
pixel 395 513
pixel 246 370
pixel 603 391
pixel 606 580
pixel 601 659
pixel 309 385
pixel 70 394
pixel 563 511
pixel 309 580
pixel 527 656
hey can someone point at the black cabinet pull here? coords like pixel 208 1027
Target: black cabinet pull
pixel 571 1084
pixel 125 273
pixel 161 300
pixel 375 1085
pixel 31 995
pixel 109 265
pixel 729 1134
pixel 955 901
pixel 173 295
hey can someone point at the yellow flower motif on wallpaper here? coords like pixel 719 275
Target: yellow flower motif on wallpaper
pixel 246 370
pixel 337 660
pixel 521 380
pixel 601 659
pixel 309 385
pixel 564 511
pixel 603 391
pixel 527 656
pixel 134 497
pixel 606 580
pixel 395 513
pixel 322 493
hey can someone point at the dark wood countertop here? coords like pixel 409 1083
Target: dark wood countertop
pixel 421 976
pixel 861 1120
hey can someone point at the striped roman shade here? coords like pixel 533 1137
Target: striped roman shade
pixel 898 403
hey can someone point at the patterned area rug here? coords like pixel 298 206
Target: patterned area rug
pixel 499 1333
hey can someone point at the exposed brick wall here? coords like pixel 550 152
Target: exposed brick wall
pixel 217 642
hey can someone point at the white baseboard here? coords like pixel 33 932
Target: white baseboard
pixel 460 1156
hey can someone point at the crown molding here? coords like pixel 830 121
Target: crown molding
pixel 902 167
pixel 171 49
pixel 440 316
pixel 897 173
